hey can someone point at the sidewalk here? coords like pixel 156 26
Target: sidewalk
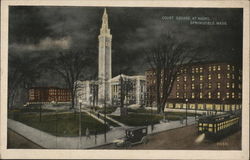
pixel 49 141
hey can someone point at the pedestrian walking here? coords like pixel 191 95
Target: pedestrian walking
pixel 95 136
pixel 87 133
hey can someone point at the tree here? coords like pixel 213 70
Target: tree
pixel 71 66
pixel 165 57
pixel 22 74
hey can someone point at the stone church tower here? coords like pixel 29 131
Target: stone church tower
pixel 105 63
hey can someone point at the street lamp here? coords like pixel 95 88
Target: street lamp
pixel 186 110
pixel 80 123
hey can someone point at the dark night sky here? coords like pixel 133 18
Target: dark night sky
pixel 44 31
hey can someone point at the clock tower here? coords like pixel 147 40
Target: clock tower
pixel 105 63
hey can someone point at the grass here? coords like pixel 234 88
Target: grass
pixel 138 119
pixel 66 124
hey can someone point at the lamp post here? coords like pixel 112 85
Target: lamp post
pixel 186 109
pixel 80 122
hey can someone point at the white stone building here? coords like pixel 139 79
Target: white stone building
pixel 136 92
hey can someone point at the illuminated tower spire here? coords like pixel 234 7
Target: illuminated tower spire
pixel 104 71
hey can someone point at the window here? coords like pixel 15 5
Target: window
pixel 233 85
pixel 201 69
pixel 218 68
pixel 233 76
pixel 200 95
pixel 232 68
pixel 209 68
pixel 218 85
pixel 228 95
pixel 239 95
pixel 185 70
pixel 228 67
pixel 197 70
pixel 209 95
pixel 192 70
pixel 185 86
pixel 214 68
pixel 193 96
pixel 209 85
pixel 228 85
pixel 185 78
pixel 228 75
pixel 233 95
pixel 239 77
pixel 192 86
pixel 193 78
pixel 239 86
pixel 201 85
pixel 185 95
pixel 178 78
pixel 218 94
pixel 219 76
pixel 177 94
pixel 209 77
pixel 178 86
pixel 201 77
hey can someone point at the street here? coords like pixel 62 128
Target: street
pixel 184 139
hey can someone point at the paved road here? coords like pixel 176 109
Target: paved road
pixel 184 139
pixel 16 140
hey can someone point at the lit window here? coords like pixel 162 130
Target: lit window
pixel 209 95
pixel 181 70
pixel 192 70
pixel 239 86
pixel 201 77
pixel 228 75
pixel 209 77
pixel 239 77
pixel 177 94
pixel 218 94
pixel 185 70
pixel 193 78
pixel 209 68
pixel 193 96
pixel 219 76
pixel 200 95
pixel 232 76
pixel 232 68
pixel 201 69
pixel 192 86
pixel 196 70
pixel 218 68
pixel 228 85
pixel 178 78
pixel 218 85
pixel 185 95
pixel 185 86
pixel 233 85
pixel 214 68
pixel 233 94
pixel 228 95
pixel 239 96
pixel 185 78
pixel 178 86
pixel 209 85
pixel 201 85
pixel 228 67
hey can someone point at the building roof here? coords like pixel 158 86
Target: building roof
pixel 117 78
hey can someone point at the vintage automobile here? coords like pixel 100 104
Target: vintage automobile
pixel 133 136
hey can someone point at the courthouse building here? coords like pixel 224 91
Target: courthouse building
pixel 206 86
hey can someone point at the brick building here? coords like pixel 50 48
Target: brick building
pixel 206 86
pixel 48 94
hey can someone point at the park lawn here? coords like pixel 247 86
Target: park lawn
pixel 133 119
pixel 66 124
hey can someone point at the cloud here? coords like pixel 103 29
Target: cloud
pixel 44 44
